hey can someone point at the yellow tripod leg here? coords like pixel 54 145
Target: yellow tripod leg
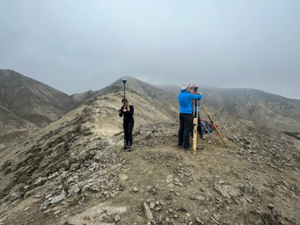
pixel 206 112
pixel 195 135
pixel 195 122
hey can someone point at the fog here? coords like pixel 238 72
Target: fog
pixel 76 46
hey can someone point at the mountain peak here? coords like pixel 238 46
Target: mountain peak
pixel 32 100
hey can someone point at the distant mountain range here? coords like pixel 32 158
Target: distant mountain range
pixel 25 99
pixel 249 104
pixel 25 102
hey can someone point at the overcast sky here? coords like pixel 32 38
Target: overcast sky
pixel 75 46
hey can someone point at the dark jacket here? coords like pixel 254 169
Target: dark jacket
pixel 128 115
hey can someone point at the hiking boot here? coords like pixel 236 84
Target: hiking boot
pixel 200 147
pixel 130 148
pixel 188 149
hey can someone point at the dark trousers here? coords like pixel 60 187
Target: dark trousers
pixel 186 123
pixel 199 128
pixel 128 127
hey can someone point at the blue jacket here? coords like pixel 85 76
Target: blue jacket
pixel 194 105
pixel 184 99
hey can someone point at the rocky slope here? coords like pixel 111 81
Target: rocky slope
pixel 26 105
pixel 76 172
pixel 12 127
pixel 27 99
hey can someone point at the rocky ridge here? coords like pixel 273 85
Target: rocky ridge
pixel 76 172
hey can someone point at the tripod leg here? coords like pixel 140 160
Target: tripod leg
pixel 206 112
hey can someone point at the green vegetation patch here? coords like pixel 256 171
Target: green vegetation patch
pixel 7 164
pixel 293 134
pixel 78 120
pixel 19 178
pixel 8 171
pixel 51 133
pixel 34 159
pixel 44 161
pixel 57 141
pixel 88 133
pixel 34 150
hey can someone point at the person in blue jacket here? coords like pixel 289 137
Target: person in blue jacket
pixel 185 115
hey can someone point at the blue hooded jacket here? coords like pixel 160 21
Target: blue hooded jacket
pixel 194 105
pixel 184 99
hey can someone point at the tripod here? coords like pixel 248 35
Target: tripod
pixel 206 112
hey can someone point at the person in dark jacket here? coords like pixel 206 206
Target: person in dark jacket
pixel 185 115
pixel 127 111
